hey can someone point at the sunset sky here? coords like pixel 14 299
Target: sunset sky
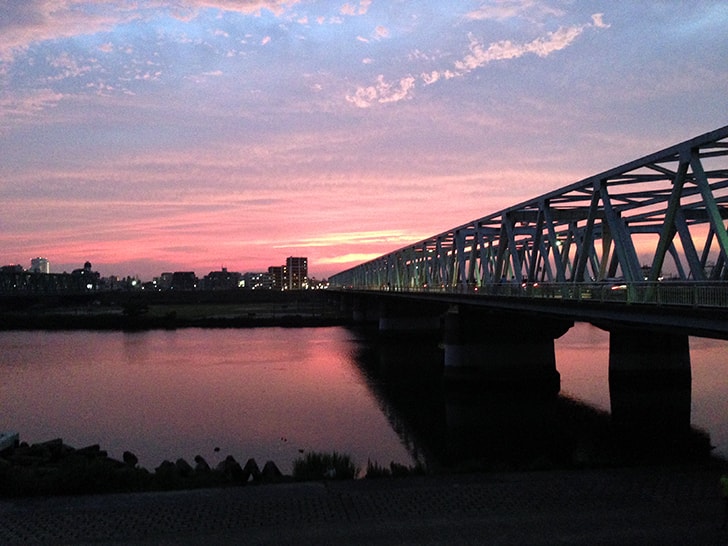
pixel 151 136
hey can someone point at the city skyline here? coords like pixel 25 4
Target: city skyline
pixel 204 134
pixel 297 264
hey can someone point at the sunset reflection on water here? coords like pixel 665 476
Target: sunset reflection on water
pixel 267 393
pixel 263 393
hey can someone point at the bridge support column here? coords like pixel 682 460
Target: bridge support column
pixel 398 317
pixel 649 381
pixel 485 349
pixel 365 309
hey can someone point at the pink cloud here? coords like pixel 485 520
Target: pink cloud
pixel 543 46
pixel 354 9
pixel 231 204
pixel 508 9
pixel 383 92
pixel 28 106
pixel 23 23
pixel 243 6
pixel 381 32
pixel 30 21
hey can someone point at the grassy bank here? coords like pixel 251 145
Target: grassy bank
pixel 142 311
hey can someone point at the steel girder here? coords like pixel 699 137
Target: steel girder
pixel 662 214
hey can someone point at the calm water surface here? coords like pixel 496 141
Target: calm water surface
pixel 265 393
pixel 582 357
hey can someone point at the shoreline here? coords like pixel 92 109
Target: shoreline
pixel 166 311
pixel 53 468
pixel 118 322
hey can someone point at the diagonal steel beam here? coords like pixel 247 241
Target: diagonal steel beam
pixel 668 232
pixel 714 213
pixel 623 245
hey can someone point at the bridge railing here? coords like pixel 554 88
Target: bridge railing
pixel 694 294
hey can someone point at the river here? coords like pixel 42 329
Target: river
pixel 265 393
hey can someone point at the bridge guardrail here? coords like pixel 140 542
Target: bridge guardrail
pixel 689 294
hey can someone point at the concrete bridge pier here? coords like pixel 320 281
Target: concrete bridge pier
pixel 649 381
pixel 365 310
pixel 408 337
pixel 491 350
pixel 410 318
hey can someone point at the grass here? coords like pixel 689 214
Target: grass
pixel 395 470
pixel 324 466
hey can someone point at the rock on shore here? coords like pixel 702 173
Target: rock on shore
pixel 54 468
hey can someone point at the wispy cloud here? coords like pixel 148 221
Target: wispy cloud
pixel 479 55
pixel 68 67
pixel 351 258
pixel 28 105
pixel 508 9
pixel 359 237
pixel 31 21
pixel 23 23
pixel 276 7
pixel 382 92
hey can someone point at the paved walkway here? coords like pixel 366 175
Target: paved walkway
pixel 618 506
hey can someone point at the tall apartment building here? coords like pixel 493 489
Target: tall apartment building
pixel 278 276
pixel 297 273
pixel 40 265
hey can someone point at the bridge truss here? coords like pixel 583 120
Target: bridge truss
pixel 631 226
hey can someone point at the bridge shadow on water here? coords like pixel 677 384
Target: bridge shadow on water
pixel 486 428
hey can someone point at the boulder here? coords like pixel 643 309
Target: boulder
pixel 231 470
pixel 184 468
pixel 201 464
pixel 251 469
pixel 271 473
pixel 130 459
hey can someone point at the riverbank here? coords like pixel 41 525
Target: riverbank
pixel 159 310
pixel 53 468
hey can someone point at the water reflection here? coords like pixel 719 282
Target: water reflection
pixel 268 392
pixel 494 430
pixel 264 393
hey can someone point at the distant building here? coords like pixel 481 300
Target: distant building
pixel 292 276
pixel 40 265
pixel 14 280
pixel 257 281
pixel 85 278
pixel 277 275
pixel 164 281
pixel 221 280
pixel 13 268
pixel 297 273
pixel 184 280
pixel 315 284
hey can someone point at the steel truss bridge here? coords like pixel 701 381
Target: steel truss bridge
pixel 650 231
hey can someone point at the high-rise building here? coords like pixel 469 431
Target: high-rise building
pixel 297 269
pixel 278 275
pixel 40 265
